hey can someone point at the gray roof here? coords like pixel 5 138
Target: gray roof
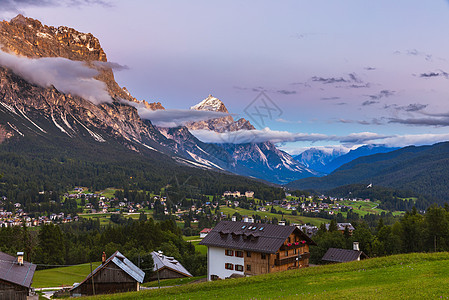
pixel 123 263
pixel 265 238
pixel 162 261
pixel 12 272
pixel 342 226
pixel 343 255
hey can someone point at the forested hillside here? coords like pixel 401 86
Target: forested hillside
pixel 422 170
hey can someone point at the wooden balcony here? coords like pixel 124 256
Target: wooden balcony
pixel 291 259
pixel 292 246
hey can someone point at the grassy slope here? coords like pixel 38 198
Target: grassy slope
pixel 58 277
pixel 410 276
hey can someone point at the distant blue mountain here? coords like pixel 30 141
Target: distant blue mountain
pixel 325 161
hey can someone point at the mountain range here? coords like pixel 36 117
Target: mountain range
pixel 328 160
pixel 423 170
pixel 30 105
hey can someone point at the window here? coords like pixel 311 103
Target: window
pixel 294 251
pixel 248 254
pixel 229 266
pixel 248 267
pixel 286 253
pixel 239 268
pixel 239 253
pixel 289 239
pixel 264 256
pixel 229 252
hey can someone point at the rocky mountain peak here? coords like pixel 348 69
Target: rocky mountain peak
pixel 211 103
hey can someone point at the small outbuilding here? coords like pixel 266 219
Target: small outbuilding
pixel 167 267
pixel 337 255
pixel 205 232
pixel 117 274
pixel 16 277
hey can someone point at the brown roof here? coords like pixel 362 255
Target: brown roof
pixel 343 255
pixel 12 272
pixel 265 238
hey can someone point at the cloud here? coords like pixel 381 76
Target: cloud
pixel 262 89
pixel 440 73
pixel 369 102
pixel 268 135
pixel 330 98
pixel 413 107
pixel 285 92
pixel 110 65
pixel 437 122
pixel 288 121
pixel 362 122
pixel 415 139
pixel 67 76
pixel 328 80
pixel 174 117
pixel 417 53
pixel 382 94
pixel 352 81
pixel 370 68
pixel 18 5
pixel 358 86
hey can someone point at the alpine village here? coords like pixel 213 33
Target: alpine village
pixel 98 198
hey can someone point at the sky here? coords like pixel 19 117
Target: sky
pixel 332 73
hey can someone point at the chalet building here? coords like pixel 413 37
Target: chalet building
pixel 167 267
pixel 244 249
pixel 16 277
pixel 115 275
pixel 204 232
pixel 336 255
pixel 341 227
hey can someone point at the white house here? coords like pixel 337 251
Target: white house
pixel 237 249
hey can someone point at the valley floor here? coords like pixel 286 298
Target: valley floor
pixel 409 276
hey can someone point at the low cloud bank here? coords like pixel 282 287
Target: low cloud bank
pixel 66 75
pixel 267 135
pixel 174 117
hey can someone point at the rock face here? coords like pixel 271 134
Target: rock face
pixel 29 110
pixel 263 159
pixel 224 124
pixel 71 115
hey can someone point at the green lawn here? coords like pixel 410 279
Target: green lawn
pixel 195 240
pixel 410 276
pixel 173 282
pixel 65 276
pixel 288 216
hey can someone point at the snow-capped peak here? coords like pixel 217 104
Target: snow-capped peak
pixel 212 104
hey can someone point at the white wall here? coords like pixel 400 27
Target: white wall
pixel 216 260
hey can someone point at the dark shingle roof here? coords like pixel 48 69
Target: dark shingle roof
pixel 162 261
pixel 11 271
pixel 265 238
pixel 343 255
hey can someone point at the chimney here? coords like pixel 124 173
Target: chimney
pixel 103 258
pixel 234 218
pixel 356 246
pixel 282 223
pixel 20 258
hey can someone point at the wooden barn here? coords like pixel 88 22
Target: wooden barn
pixel 337 255
pixel 167 267
pixel 16 277
pixel 115 275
